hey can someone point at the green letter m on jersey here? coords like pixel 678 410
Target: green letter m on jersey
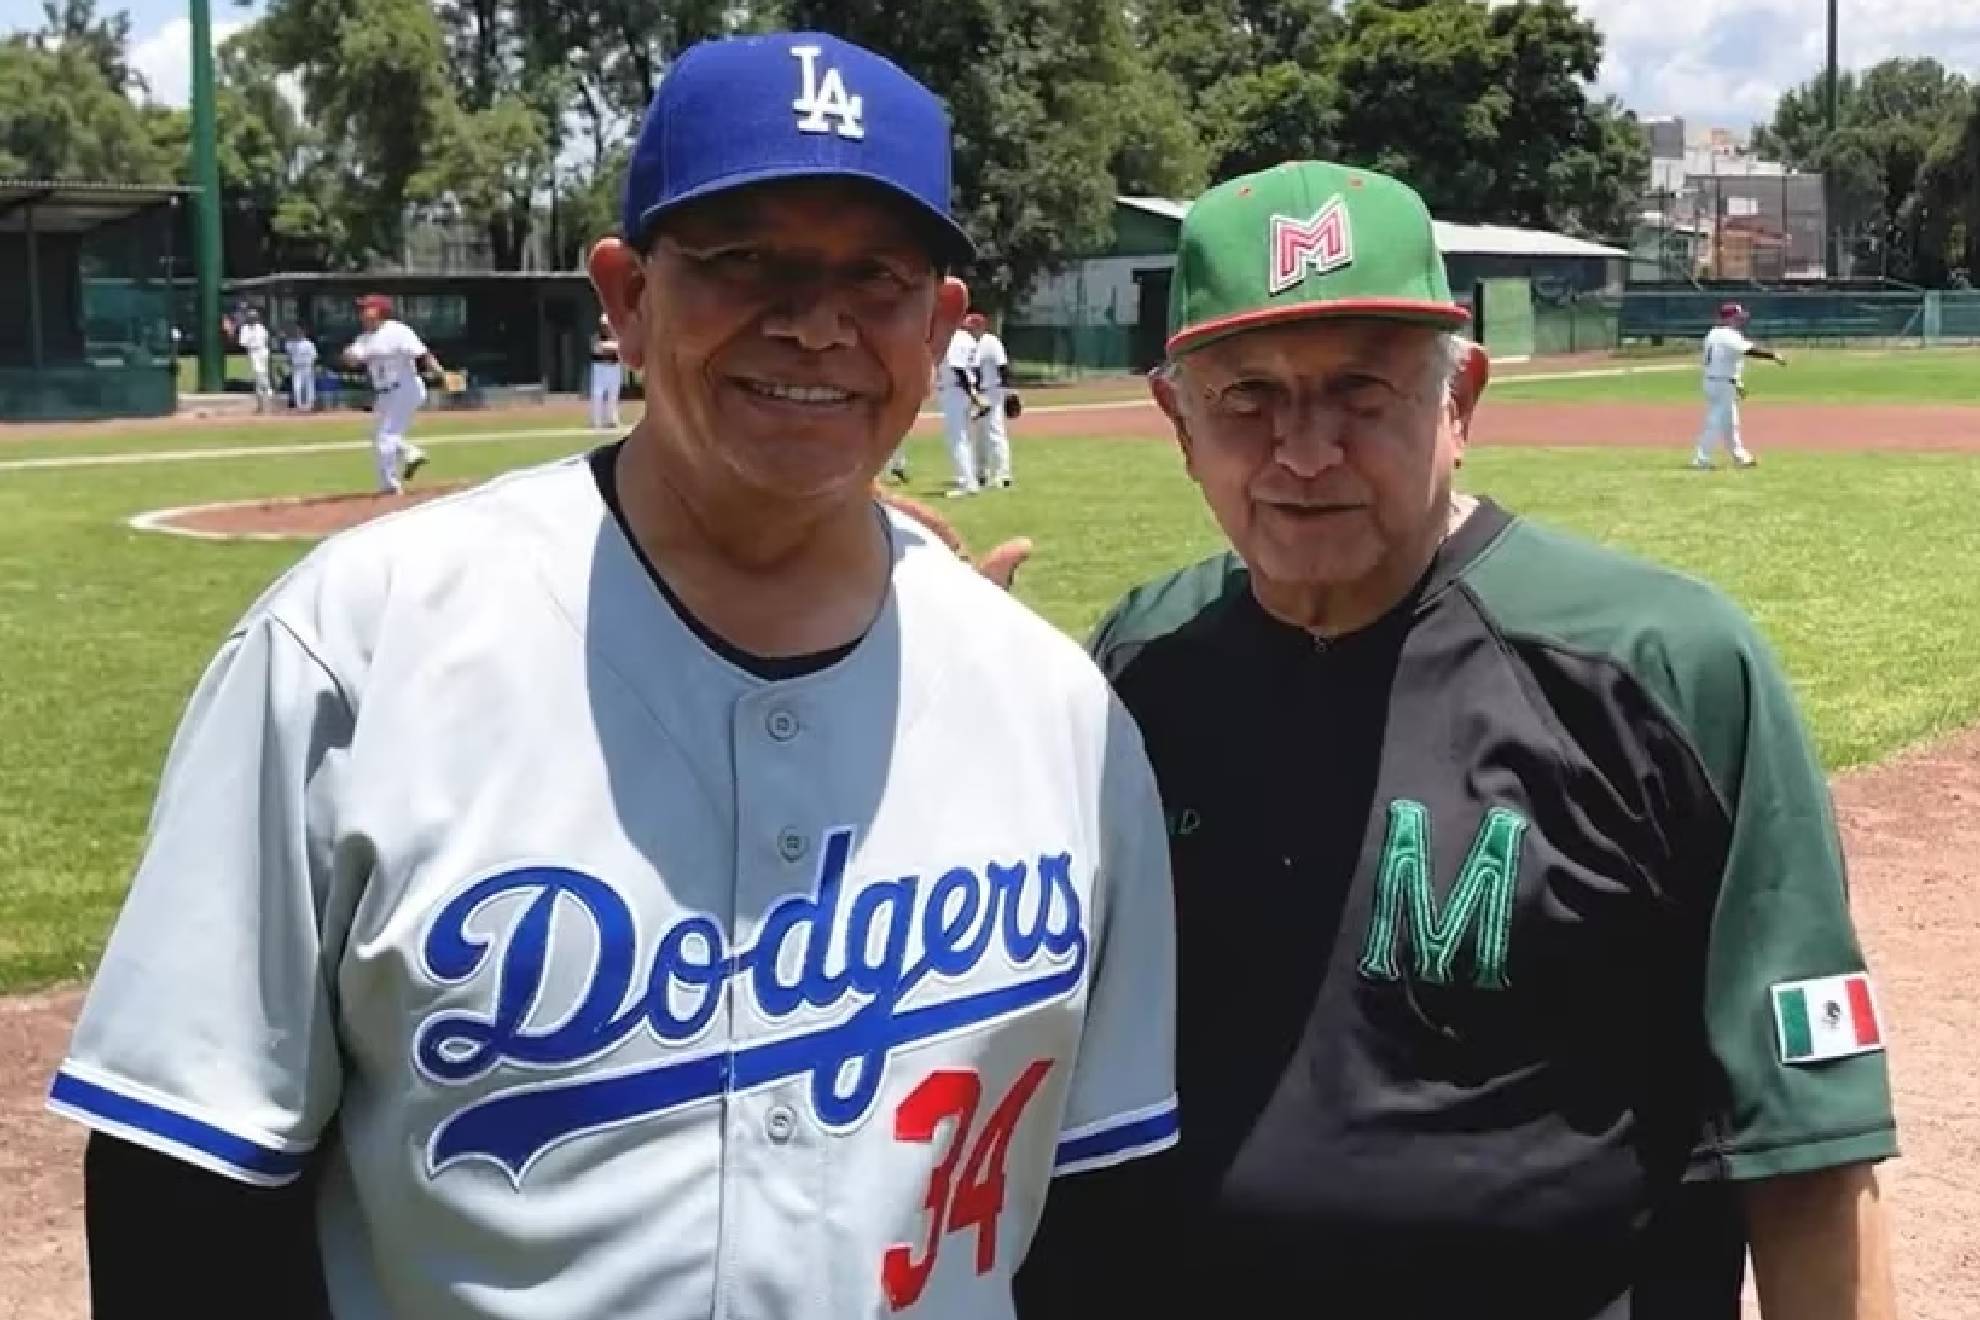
pixel 1479 905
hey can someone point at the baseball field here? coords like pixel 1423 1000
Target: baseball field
pixel 1855 544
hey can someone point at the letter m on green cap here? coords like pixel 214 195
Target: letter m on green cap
pixel 1325 242
pixel 1301 240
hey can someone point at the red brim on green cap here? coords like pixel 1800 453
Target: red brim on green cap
pixel 1443 316
pixel 1302 241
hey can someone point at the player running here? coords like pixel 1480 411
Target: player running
pixel 395 357
pixel 1726 351
pixel 1517 970
pixel 663 883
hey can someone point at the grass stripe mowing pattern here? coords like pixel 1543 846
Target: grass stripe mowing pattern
pixel 1860 569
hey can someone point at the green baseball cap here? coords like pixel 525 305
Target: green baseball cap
pixel 1306 239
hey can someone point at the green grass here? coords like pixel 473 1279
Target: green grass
pixel 94 438
pixel 1894 376
pixel 275 430
pixel 1861 569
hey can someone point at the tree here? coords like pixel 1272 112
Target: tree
pixel 104 42
pixel 617 50
pixel 1280 112
pixel 1949 196
pixel 1891 120
pixel 1486 111
pixel 1161 153
pixel 61 119
pixel 1255 77
pixel 375 76
pixel 1800 124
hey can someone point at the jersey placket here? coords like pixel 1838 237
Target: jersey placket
pixel 774 1152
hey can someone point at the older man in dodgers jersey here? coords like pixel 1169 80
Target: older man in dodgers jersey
pixel 663 883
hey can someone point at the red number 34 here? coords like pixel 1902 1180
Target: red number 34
pixel 953 1094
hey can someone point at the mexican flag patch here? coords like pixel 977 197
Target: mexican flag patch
pixel 1831 1017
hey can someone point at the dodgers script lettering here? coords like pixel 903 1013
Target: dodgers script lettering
pixel 1031 911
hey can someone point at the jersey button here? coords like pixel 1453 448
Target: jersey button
pixel 780 1123
pixel 782 724
pixel 790 845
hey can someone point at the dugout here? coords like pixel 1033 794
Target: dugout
pixel 520 331
pixel 87 267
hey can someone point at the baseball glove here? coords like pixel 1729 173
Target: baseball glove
pixel 1013 404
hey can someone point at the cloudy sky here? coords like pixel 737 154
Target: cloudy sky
pixel 1716 62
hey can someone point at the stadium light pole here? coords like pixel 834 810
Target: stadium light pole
pixel 1833 259
pixel 206 205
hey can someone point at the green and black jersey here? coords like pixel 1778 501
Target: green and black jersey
pixel 1511 928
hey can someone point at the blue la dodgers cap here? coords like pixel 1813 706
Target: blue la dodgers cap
pixel 744 110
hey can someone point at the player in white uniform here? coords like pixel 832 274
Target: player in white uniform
pixel 960 401
pixel 253 339
pixel 301 352
pixel 990 429
pixel 1726 351
pixel 607 377
pixel 663 883
pixel 395 357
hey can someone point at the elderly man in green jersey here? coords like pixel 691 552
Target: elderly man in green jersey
pixel 1517 973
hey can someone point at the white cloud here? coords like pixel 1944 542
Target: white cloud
pixel 164 58
pixel 1724 63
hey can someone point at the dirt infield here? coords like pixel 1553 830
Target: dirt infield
pixel 1648 425
pixel 300 518
pixel 1909 825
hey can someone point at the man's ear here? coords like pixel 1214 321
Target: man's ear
pixel 951 305
pixel 1163 386
pixel 1467 389
pixel 619 276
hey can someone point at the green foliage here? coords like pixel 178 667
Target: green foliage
pixel 1484 109
pixel 1886 166
pixel 514 114
pixel 375 76
pixel 60 118
pixel 103 42
pixel 1283 111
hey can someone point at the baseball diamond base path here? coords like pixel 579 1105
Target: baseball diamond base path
pixel 1764 426
pixel 1910 825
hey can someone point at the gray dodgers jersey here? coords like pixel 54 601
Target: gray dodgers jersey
pixel 637 986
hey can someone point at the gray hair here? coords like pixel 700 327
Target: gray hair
pixel 1453 350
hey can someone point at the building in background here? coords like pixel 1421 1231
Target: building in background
pixel 1108 312
pixel 1716 211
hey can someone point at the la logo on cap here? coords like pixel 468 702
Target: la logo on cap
pixel 824 101
pixel 1323 242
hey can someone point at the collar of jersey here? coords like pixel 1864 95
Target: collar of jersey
pixel 1456 554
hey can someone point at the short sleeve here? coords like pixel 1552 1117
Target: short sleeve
pixel 409 342
pixel 1791 1016
pixel 1122 1101
pixel 1102 644
pixel 962 352
pixel 208 1030
pixel 1740 343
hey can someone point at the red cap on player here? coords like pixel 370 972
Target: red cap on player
pixel 379 301
pixel 1732 312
